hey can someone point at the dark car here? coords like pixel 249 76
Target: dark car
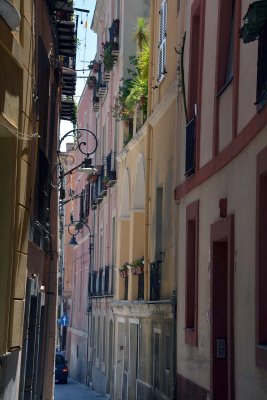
pixel 61 369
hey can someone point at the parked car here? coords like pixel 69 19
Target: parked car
pixel 61 369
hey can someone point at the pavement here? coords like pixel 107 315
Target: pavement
pixel 76 391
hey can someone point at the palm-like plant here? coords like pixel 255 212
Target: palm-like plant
pixel 141 34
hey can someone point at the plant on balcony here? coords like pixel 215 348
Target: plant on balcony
pixel 139 88
pixel 94 66
pixel 123 270
pixel 137 266
pixel 134 90
pixel 121 110
pixel 108 59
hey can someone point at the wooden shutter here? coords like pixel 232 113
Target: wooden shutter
pixel 162 39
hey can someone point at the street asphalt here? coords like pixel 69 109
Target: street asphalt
pixel 76 391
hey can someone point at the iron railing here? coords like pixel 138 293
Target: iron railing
pixel 111 168
pixel 190 155
pixel 155 280
pixel 101 282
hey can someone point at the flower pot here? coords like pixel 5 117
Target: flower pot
pixel 123 274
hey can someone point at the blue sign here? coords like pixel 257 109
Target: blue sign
pixel 64 320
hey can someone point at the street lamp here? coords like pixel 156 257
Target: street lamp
pixel 78 225
pixel 86 165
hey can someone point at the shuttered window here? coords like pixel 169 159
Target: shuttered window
pixel 162 40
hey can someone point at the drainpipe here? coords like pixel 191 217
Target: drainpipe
pixel 148 161
pixel 174 333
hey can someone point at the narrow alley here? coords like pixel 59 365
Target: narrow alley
pixel 76 391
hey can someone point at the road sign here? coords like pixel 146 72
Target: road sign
pixel 64 320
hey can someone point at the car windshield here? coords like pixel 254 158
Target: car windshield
pixel 60 359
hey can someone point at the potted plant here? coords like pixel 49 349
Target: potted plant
pixel 137 266
pixel 108 59
pixel 123 270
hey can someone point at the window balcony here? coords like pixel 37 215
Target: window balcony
pixel 95 103
pixel 114 31
pixel 60 6
pixel 190 156
pixel 155 280
pixel 101 89
pixel 66 36
pixel 101 282
pixel 111 177
pixel 68 109
pixel 102 188
pixel 91 82
pixel 68 81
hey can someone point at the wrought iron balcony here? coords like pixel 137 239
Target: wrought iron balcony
pixel 68 81
pixel 95 101
pixel 101 282
pixel 68 109
pixel 111 169
pixel 67 39
pixel 91 81
pixel 114 31
pixel 101 89
pixel 155 280
pixel 102 188
pixel 60 6
pixel 190 156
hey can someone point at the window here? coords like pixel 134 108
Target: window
pixel 162 40
pixel 225 43
pixel 261 255
pixel 194 86
pixel 191 284
pixel 262 69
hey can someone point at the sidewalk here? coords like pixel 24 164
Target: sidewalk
pixel 76 391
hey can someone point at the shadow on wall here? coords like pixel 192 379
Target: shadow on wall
pixel 8 371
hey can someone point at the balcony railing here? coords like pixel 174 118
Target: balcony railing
pixel 101 282
pixel 60 6
pixel 102 188
pixel 67 109
pixel 67 39
pixel 114 31
pixel 111 169
pixel 190 156
pixel 68 81
pixel 155 280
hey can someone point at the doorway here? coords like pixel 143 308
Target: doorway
pixel 222 309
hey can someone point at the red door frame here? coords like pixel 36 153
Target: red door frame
pixel 222 231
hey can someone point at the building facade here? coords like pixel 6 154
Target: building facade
pixel 221 187
pixel 32 85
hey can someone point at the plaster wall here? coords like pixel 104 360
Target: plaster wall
pixel 237 183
